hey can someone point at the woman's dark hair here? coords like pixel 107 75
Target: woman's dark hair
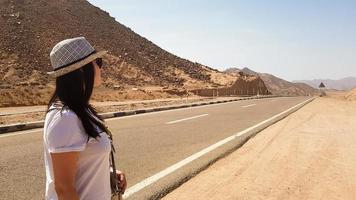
pixel 74 90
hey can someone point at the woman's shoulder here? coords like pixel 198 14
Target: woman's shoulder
pixel 64 132
pixel 63 124
pixel 58 107
pixel 61 114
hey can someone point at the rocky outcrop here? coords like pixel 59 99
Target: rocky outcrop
pixel 245 85
pixel 277 85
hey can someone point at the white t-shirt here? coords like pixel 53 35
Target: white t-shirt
pixel 64 132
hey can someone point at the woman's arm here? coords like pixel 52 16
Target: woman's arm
pixel 64 170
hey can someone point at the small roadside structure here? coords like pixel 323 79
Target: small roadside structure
pixel 322 89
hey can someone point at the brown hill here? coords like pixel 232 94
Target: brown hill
pixel 277 85
pixel 29 29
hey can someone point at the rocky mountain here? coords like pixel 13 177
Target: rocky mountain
pixel 277 85
pixel 29 29
pixel 342 84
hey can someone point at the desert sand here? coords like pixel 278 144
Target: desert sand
pixel 351 96
pixel 311 154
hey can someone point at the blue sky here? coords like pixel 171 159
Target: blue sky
pixel 290 39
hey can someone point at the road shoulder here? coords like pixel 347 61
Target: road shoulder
pixel 308 155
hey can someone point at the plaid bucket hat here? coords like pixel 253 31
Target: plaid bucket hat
pixel 71 54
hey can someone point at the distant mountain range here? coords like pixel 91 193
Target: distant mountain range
pixel 342 84
pixel 277 85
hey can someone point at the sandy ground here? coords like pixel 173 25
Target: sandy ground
pixel 351 96
pixel 309 155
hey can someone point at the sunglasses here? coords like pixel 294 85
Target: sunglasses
pixel 99 62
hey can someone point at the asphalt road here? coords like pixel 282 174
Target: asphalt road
pixel 146 143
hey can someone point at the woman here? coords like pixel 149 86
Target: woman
pixel 76 143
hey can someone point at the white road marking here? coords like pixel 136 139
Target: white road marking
pixel 180 109
pixel 180 120
pixel 150 180
pixel 143 114
pixel 248 105
pixel 21 133
pixel 172 110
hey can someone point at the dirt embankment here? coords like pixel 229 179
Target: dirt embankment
pixel 308 155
